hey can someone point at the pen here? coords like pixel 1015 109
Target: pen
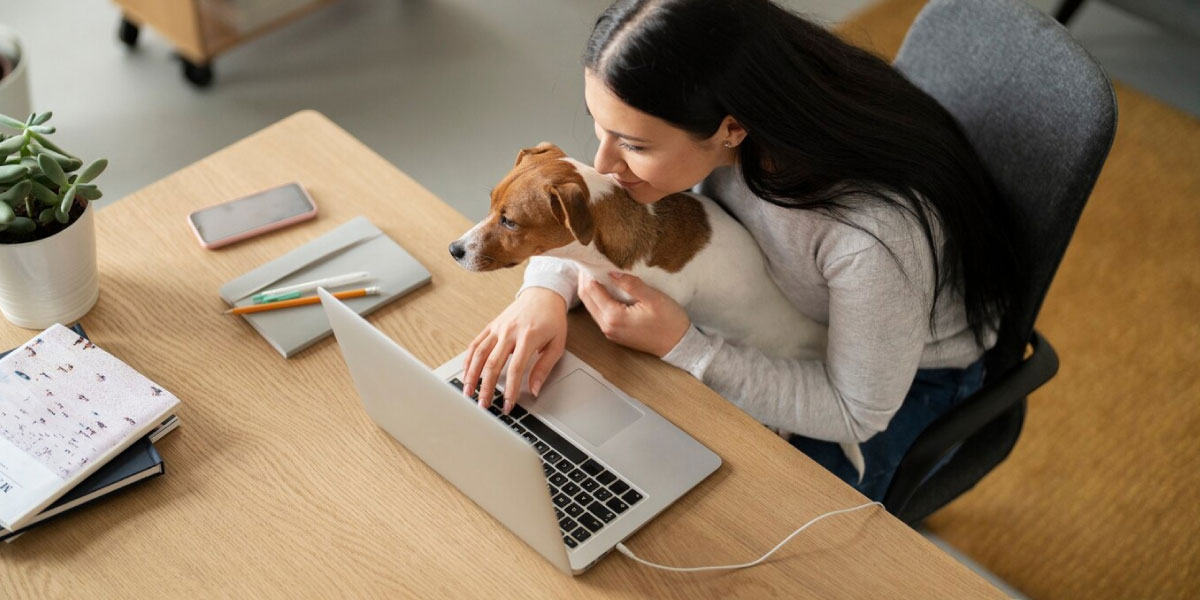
pixel 308 286
pixel 253 308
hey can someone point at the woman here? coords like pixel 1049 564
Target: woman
pixel 875 214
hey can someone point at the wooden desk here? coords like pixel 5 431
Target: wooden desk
pixel 278 484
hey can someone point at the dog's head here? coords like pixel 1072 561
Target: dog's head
pixel 542 204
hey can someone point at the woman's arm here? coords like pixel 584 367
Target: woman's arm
pixel 878 322
pixel 555 274
pixel 533 324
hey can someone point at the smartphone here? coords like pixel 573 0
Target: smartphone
pixel 247 217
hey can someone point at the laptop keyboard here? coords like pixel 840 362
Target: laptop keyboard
pixel 587 497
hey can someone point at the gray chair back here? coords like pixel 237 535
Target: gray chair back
pixel 1040 113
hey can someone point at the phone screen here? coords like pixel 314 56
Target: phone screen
pixel 239 216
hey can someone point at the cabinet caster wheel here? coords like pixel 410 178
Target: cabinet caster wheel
pixel 198 75
pixel 128 33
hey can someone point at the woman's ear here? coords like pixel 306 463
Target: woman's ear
pixel 731 133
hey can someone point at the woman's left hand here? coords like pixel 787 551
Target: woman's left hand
pixel 654 323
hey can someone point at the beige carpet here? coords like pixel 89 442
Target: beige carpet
pixel 1101 496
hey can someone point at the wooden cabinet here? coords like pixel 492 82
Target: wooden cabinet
pixel 202 29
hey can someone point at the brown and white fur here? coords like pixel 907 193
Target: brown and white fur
pixel 684 245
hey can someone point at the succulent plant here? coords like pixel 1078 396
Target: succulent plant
pixel 40 193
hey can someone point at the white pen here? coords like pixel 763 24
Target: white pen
pixel 308 286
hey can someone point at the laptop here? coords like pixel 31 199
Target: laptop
pixel 572 472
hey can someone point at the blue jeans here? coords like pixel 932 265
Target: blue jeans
pixel 933 392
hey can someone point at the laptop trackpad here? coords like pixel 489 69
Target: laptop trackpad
pixel 587 407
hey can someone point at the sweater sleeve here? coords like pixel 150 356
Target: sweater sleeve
pixel 557 274
pixel 878 319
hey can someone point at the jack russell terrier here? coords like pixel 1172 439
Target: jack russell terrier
pixel 685 245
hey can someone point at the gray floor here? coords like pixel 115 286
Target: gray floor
pixel 447 90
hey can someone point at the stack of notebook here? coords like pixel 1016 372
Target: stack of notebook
pixel 76 424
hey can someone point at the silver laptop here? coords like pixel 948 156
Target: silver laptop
pixel 572 472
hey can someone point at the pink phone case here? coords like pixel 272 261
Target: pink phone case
pixel 257 230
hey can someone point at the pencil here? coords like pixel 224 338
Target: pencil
pixel 253 308
pixel 308 286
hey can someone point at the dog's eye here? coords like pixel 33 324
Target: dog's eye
pixel 506 223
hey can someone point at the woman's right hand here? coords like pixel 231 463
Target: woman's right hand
pixel 535 322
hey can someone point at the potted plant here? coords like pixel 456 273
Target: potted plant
pixel 47 232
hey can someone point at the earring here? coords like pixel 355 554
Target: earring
pixel 728 144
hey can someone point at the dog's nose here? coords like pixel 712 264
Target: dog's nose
pixel 458 249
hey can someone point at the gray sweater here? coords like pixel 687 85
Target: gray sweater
pixel 876 309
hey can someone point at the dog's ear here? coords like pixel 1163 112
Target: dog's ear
pixel 570 207
pixel 542 148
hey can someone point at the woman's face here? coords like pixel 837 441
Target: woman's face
pixel 649 157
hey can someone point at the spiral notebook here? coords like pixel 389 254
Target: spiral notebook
pixel 357 245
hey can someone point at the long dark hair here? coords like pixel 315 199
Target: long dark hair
pixel 826 122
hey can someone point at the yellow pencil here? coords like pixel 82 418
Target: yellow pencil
pixel 253 308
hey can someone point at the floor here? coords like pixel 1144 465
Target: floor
pixel 446 90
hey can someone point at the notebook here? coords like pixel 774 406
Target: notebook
pixel 138 463
pixel 67 408
pixel 357 245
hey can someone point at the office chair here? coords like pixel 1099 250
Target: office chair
pixel 1041 114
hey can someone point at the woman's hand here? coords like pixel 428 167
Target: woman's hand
pixel 654 323
pixel 535 322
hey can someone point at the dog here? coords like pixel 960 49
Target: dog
pixel 685 245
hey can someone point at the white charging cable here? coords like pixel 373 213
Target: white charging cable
pixel 623 550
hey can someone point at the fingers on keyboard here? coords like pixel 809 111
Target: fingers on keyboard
pixel 586 495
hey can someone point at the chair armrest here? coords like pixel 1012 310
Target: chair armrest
pixel 968 417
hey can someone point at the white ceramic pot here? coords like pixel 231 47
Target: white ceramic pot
pixel 14 88
pixel 51 280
